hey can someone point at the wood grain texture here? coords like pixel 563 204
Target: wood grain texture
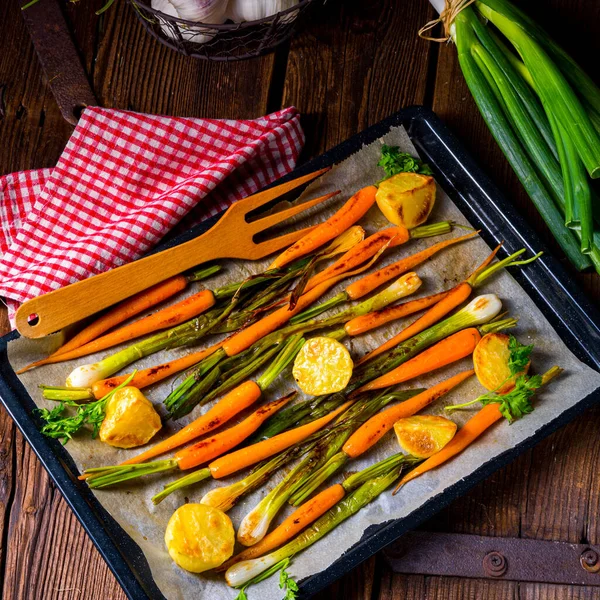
pixel 355 63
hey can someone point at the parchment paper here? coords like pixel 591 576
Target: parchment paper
pixel 145 523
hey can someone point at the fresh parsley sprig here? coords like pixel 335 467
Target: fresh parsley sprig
pixel 61 427
pixel 516 403
pixel 394 161
pixel 518 355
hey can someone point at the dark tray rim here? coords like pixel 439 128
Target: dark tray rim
pixel 564 305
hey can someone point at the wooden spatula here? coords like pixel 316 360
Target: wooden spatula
pixel 231 237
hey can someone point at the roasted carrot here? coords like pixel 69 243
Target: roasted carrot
pixel 451 300
pixel 230 405
pixel 367 284
pixel 347 215
pixel 240 459
pixel 302 517
pixel 152 375
pixel 167 317
pixel 378 318
pixel 467 434
pixel 455 297
pixel 209 448
pixel 377 426
pixel 449 350
pixel 243 339
pixel 363 251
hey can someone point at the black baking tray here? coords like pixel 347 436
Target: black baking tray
pixel 573 316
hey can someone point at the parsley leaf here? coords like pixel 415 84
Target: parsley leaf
pixel 519 355
pixel 517 402
pixel 286 582
pixel 61 427
pixel 393 161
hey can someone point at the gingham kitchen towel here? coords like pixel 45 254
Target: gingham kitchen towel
pixel 123 181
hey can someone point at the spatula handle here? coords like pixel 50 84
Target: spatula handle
pixel 74 302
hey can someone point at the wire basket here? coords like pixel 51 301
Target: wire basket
pixel 226 42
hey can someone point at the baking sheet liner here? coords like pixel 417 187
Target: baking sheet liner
pixel 130 505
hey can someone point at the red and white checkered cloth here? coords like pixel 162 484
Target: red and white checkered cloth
pixel 123 181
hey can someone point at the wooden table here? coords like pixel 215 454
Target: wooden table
pixel 356 63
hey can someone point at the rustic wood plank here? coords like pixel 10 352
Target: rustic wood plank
pixel 354 65
pixel 133 71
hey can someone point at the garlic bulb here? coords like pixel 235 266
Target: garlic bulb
pixel 201 11
pixel 252 10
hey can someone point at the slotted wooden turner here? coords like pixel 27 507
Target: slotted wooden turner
pixel 231 237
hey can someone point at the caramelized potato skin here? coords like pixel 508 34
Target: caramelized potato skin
pixel 130 419
pixel 406 199
pixel 323 366
pixel 199 537
pixel 490 360
pixel 424 435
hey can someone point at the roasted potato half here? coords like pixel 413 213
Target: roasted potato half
pixel 406 198
pixel 491 361
pixel 130 419
pixel 323 366
pixel 199 537
pixel 424 435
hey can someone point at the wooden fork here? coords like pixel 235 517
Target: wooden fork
pixel 231 237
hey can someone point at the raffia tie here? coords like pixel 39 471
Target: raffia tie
pixel 447 16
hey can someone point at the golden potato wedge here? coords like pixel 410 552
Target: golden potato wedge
pixel 406 198
pixel 491 361
pixel 199 537
pixel 130 419
pixel 323 366
pixel 424 435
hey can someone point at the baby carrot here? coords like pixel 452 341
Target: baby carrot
pixel 467 434
pixel 449 350
pixel 367 284
pixel 453 298
pixel 302 517
pixel 377 318
pixel 225 409
pixel 377 426
pixel 152 375
pixel 347 215
pixel 125 310
pixel 363 251
pixel 240 459
pixel 167 317
pixel 210 448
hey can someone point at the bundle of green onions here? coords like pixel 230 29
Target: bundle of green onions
pixel 542 109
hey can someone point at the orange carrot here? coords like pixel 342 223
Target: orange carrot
pixel 350 213
pixel 302 517
pixel 363 251
pixel 467 434
pixel 243 339
pixel 123 311
pixel 453 348
pixel 240 459
pixel 455 297
pixel 214 446
pixel 152 375
pixel 377 318
pixel 238 399
pixel 370 432
pixel 167 317
pixel 367 284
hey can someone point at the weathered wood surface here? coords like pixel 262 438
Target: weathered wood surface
pixel 355 63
